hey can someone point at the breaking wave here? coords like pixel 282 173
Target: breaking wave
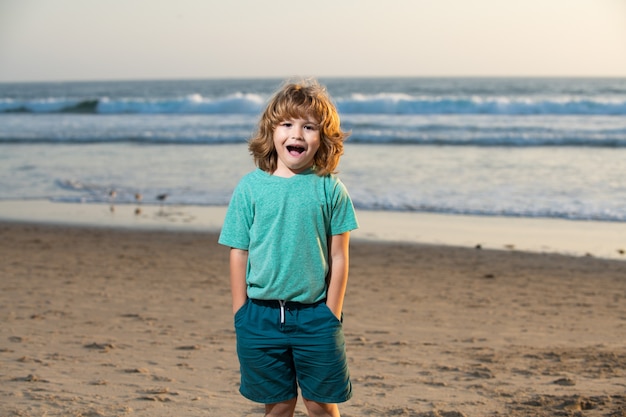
pixel 384 103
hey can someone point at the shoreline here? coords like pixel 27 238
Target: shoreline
pixel 576 238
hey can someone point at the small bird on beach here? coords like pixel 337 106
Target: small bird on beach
pixel 138 198
pixel 161 198
pixel 112 195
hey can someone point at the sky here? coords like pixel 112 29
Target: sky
pixel 66 40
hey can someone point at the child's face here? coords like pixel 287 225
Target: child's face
pixel 296 142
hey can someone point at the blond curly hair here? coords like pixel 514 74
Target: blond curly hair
pixel 296 100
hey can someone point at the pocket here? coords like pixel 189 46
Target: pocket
pixel 238 315
pixel 325 306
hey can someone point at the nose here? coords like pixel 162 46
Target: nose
pixel 297 132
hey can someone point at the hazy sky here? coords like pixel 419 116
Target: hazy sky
pixel 164 39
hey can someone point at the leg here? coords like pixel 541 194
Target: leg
pixel 316 409
pixel 320 359
pixel 284 409
pixel 266 362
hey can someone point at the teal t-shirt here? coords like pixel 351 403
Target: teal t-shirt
pixel 284 224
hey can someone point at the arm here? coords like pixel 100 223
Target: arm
pixel 238 265
pixel 339 249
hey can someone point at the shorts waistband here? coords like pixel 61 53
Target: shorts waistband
pixel 294 305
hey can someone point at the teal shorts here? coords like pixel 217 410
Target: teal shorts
pixel 285 345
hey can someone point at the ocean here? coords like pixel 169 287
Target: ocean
pixel 517 147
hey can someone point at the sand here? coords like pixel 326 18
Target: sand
pixel 126 322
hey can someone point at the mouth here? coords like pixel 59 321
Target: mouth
pixel 295 150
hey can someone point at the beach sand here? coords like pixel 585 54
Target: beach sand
pixel 99 321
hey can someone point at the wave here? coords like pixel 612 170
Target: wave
pixel 193 104
pixel 554 213
pixel 80 192
pixel 426 105
pixel 384 103
pixel 139 140
pixel 508 141
pixel 512 141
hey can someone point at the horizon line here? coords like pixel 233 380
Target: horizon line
pixel 328 77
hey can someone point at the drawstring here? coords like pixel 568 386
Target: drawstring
pixel 282 312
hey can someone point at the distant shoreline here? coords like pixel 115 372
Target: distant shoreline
pixel 539 235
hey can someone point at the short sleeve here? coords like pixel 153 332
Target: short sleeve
pixel 343 217
pixel 238 220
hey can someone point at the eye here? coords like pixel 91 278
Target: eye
pixel 286 124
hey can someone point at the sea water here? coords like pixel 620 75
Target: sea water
pixel 552 148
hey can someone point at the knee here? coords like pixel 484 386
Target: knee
pixel 316 409
pixel 283 409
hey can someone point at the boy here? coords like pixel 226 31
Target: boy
pixel 288 226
